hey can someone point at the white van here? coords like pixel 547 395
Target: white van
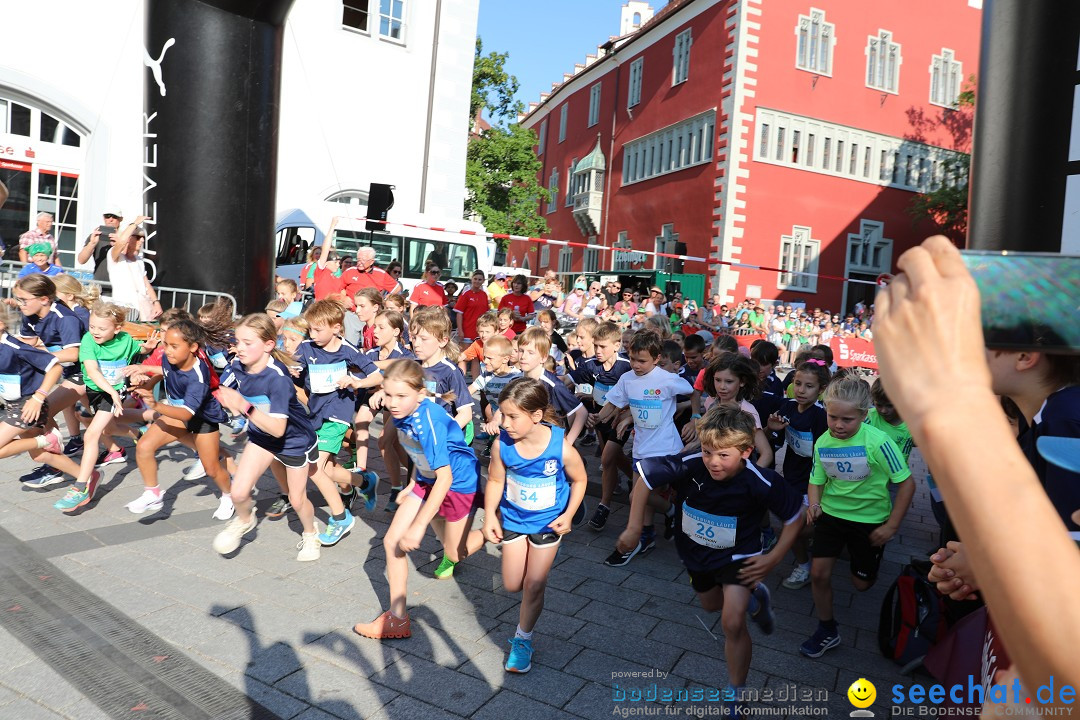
pixel 298 230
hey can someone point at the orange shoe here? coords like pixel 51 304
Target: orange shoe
pixel 385 627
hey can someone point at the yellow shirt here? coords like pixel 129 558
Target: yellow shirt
pixel 495 292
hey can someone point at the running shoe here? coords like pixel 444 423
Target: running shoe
pixel 41 477
pixel 149 500
pixel 599 518
pixel 392 503
pixel 309 547
pixel 369 490
pixel 111 457
pixel 799 578
pixel 195 471
pixel 279 507
pixel 768 540
pixel 618 559
pixel 225 508
pixel 588 439
pixel 823 639
pixel 53 442
pixel 445 571
pixel 764 617
pixel 229 538
pixel 385 627
pixel 520 659
pixel 74 446
pixel 347 497
pixel 337 529
pixel 75 498
pixel 648 541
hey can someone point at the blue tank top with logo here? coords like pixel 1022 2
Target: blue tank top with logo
pixel 536 490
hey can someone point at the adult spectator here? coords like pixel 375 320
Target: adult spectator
pixel 573 302
pixel 429 291
pixel 98 247
pixel 328 282
pixel 594 302
pixel 657 303
pixel 613 292
pixel 520 303
pixel 757 320
pixel 549 295
pixel 497 289
pixel 39 261
pixel 470 305
pixel 42 233
pixel 626 304
pixel 127 273
pixel 367 274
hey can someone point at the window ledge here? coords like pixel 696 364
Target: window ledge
pixel 356 31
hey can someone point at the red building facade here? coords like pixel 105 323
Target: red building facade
pixel 792 134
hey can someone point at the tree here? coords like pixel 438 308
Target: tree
pixel 501 169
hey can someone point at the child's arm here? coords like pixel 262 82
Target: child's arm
pixel 579 481
pixel 607 412
pixel 576 425
pixel 813 498
pixel 463 416
pixel 764 448
pixel 236 403
pixel 32 410
pixel 493 493
pixel 883 533
pixel 174 412
pixel 428 510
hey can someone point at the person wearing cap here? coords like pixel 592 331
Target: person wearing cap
pixel 657 302
pixel 42 233
pixel 39 261
pixel 573 302
pixel 497 289
pixel 127 273
pixel 94 247
pixel 328 280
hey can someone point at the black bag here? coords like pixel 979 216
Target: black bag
pixel 913 617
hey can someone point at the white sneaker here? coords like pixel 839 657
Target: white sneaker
pixel 799 578
pixel 196 472
pixel 149 500
pixel 225 508
pixel 229 539
pixel 309 546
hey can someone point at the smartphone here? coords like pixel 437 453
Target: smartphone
pixel 105 231
pixel 1030 301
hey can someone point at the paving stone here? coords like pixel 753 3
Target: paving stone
pixel 612 594
pixel 277 702
pixel 540 683
pixel 404 707
pixel 688 637
pixel 564 580
pixel 26 709
pixel 439 686
pixel 39 682
pixel 84 709
pixel 592 701
pixel 618 618
pixel 793 666
pixel 596 571
pixel 661 655
pixel 351 652
pixel 669 590
pixel 598 667
pixel 327 687
pixel 508 704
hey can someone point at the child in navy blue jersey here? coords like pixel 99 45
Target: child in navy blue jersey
pixel 442 494
pixel 258 386
pixel 536 481
pixel 533 348
pixel 803 421
pixel 497 374
pixel 720 498
pixel 27 375
pixel 438 356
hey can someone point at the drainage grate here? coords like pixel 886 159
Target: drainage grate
pixel 126 670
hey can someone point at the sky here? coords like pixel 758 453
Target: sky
pixel 546 39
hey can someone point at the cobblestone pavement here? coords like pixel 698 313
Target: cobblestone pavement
pixel 279 631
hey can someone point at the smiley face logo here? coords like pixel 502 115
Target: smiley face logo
pixel 862 693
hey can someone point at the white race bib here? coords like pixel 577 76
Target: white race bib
pixel 599 393
pixel 800 442
pixel 218 360
pixel 848 463
pixel 11 387
pixel 646 413
pixel 324 377
pixel 713 531
pixel 530 493
pixel 584 389
pixel 111 369
pixel 431 386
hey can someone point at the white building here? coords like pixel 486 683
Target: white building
pixel 368 94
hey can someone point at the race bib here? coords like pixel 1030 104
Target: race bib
pixel 416 453
pixel 801 443
pixel 845 463
pixel 584 389
pixel 431 386
pixel 324 377
pixel 713 531
pixel 111 369
pixel 218 360
pixel 646 413
pixel 599 393
pixel 261 402
pixel 10 387
pixel 530 493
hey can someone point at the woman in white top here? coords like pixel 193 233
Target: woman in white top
pixel 127 273
pixel 594 302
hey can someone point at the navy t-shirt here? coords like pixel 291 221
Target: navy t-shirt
pixel 396 354
pixel 432 439
pixel 190 389
pixel 22 368
pixel 772 394
pixel 320 371
pixel 719 521
pixel 1058 417
pixel 564 401
pixel 84 316
pixel 592 372
pixel 802 432
pixel 443 377
pixel 60 329
pixel 271 390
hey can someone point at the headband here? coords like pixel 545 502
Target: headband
pixel 814 361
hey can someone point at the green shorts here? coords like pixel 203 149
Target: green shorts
pixel 331 434
pixel 470 434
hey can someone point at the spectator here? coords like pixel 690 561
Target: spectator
pixel 594 302
pixel 39 254
pixel 550 294
pixel 328 282
pixel 572 305
pixel 519 303
pixel 497 289
pixel 657 304
pixel 40 234
pixel 127 273
pixel 469 306
pixel 626 305
pixel 307 273
pixel 98 250
pixel 368 274
pixel 429 291
pixel 613 293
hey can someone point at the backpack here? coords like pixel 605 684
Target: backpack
pixel 913 617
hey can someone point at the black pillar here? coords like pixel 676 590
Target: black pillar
pixel 213 80
pixel 1023 120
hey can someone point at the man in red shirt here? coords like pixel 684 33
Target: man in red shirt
pixel 429 292
pixel 367 275
pixel 470 305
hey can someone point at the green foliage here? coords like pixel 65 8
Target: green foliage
pixel 501 169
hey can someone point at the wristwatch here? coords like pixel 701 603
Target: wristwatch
pixel 248 410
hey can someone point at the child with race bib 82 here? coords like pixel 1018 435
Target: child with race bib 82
pixel 850 506
pixel 536 482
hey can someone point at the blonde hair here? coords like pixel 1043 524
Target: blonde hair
pixel 851 390
pixel 110 311
pixel 536 337
pixel 372 295
pixel 406 371
pixel 297 324
pixel 726 426
pixel 659 325
pixel 327 312
pixel 498 344
pixel 436 322
pixel 488 319
pixel 264 328
pixel 397 299
pixel 607 331
pixel 276 306
pixel 85 296
pixel 589 325
pixel 394 319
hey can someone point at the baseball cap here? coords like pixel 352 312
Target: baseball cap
pixel 579 286
pixel 500 276
pixel 113 210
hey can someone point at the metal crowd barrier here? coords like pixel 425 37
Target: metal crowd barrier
pixel 187 298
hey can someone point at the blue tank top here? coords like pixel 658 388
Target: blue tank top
pixel 536 490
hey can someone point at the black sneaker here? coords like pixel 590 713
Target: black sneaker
pixel 768 540
pixel 669 526
pixel 581 514
pixel 764 618
pixel 618 559
pixel 588 439
pixel 347 498
pixel 647 542
pixel 599 518
pixel 41 477
pixel 391 504
pixel 279 507
pixel 74 446
pixel 822 640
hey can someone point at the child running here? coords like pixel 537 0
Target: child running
pixel 849 501
pixel 498 373
pixel 732 379
pixel 803 421
pixel 536 481
pixel 27 375
pixel 257 385
pixel 443 490
pixel 438 355
pixel 720 496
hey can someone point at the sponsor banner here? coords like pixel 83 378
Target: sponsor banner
pixel 854 352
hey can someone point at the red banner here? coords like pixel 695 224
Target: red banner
pixel 853 352
pixel 747 340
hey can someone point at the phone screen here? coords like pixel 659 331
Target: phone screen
pixel 1030 301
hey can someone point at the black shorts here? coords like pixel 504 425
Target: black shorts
pixel 98 401
pixel 298 461
pixel 75 377
pixel 535 539
pixel 833 534
pixel 606 431
pixel 199 425
pixel 12 414
pixel 705 580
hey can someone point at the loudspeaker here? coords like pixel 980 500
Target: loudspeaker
pixel 671 287
pixel 380 200
pixel 677 265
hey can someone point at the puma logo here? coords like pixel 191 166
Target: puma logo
pixel 155 65
pixel 700 486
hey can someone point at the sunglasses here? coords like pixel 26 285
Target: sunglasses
pixel 114 217
pixel 395 272
pixel 434 272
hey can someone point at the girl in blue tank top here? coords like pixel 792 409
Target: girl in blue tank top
pixel 536 481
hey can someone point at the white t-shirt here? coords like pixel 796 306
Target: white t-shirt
pixel 651 398
pixel 128 280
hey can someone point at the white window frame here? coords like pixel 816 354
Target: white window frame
pixel 622 261
pixel 566 260
pixel 665 243
pixel 798 253
pixel 594 104
pixel 553 189
pixel 543 137
pixel 590 261
pixel 391 19
pixel 946 77
pixel 671 149
pixel 680 70
pixel 867 245
pixel 545 255
pixel 562 121
pixel 633 96
pixel 570 180
pixel 883 61
pixel 360 6
pixel 814 43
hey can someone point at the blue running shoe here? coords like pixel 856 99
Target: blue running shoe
pixel 520 660
pixel 764 617
pixel 823 639
pixel 336 530
pixel 369 490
